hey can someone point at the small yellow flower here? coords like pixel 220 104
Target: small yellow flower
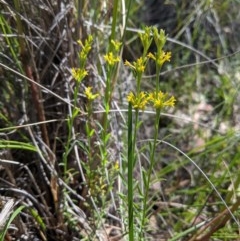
pixel 127 63
pixel 116 45
pixel 111 59
pixel 116 166
pixel 138 66
pixel 138 102
pixel 87 45
pixel 161 100
pixel 164 56
pixel 79 74
pixel 89 94
pixel 151 56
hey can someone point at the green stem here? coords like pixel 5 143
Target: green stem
pixel 89 130
pixel 152 157
pixel 149 172
pixel 19 26
pixel 131 163
pixel 105 121
pixel 70 126
pixel 158 69
pixel 130 174
pixel 114 22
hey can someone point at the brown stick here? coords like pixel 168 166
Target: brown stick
pixel 38 104
pixel 217 223
pixel 37 100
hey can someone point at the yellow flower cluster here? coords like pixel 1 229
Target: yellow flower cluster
pixel 139 101
pixel 111 59
pixel 79 74
pixel 90 96
pixel 116 45
pixel 162 58
pixel 138 66
pixel 86 47
pixel 160 100
pixel 157 98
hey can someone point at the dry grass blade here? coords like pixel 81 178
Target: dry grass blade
pixel 5 213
